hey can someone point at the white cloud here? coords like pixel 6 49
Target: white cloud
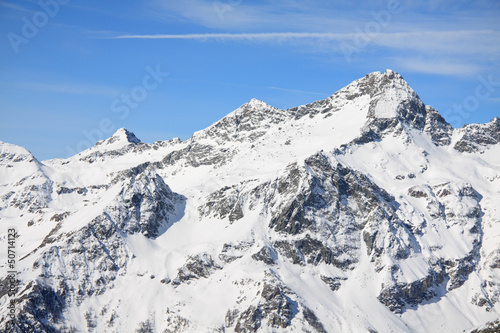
pixel 324 16
pixel 243 15
pixel 462 42
pixel 464 52
pixel 438 66
pixel 452 38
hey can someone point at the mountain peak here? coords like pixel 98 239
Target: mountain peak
pixel 16 163
pixel 388 74
pixel 289 211
pixel 388 79
pixel 8 151
pixel 254 104
pixel 121 137
pixel 123 134
pixel 377 85
pixel 391 95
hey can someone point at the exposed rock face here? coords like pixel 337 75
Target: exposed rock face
pixel 274 310
pixel 247 123
pixel 333 282
pixel 73 266
pixel 401 295
pixel 145 204
pixel 491 327
pixel 200 266
pixel 475 137
pixel 265 255
pixel 274 306
pixel 437 128
pixel 362 212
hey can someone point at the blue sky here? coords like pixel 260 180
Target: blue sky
pixel 72 72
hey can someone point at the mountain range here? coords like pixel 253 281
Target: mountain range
pixel 362 212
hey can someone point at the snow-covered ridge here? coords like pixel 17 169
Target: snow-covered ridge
pixel 16 163
pixel 362 212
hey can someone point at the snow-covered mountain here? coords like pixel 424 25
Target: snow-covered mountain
pixel 363 212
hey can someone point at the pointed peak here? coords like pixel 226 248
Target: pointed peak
pixel 255 103
pixel 376 83
pixel 123 134
pixel 121 137
pixel 252 106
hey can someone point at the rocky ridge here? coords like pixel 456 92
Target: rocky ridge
pixel 345 213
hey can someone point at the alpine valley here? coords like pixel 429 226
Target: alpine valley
pixel 363 212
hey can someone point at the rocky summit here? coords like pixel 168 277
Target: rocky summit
pixel 363 212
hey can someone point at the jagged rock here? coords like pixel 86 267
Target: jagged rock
pixel 231 317
pixel 491 327
pixel 34 198
pixel 333 282
pixel 249 320
pixel 196 155
pixel 66 190
pixel 437 128
pixel 226 202
pixel 59 217
pixel 459 271
pixel 247 123
pixel 265 255
pixel 399 296
pixel 274 306
pixel 232 252
pixel 365 185
pixel 145 204
pixel 199 266
pixel 477 137
pixel 312 320
pixel 416 193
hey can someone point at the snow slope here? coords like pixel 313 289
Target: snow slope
pixel 363 212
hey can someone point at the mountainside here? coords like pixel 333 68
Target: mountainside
pixel 363 212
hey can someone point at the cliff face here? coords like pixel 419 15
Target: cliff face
pixel 365 211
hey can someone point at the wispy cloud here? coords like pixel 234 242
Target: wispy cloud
pixel 441 36
pixel 15 7
pixel 339 16
pixel 462 52
pixel 247 15
pixel 484 42
pixel 436 66
pixel 437 42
